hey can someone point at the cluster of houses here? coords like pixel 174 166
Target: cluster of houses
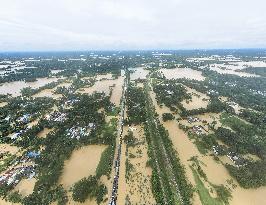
pixel 77 132
pixel 24 119
pixel 13 176
pixel 192 119
pixel 233 156
pixel 236 159
pixel 212 92
pixel 198 129
pixel 16 135
pixel 71 102
pixel 56 117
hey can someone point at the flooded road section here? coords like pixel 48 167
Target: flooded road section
pixel 135 184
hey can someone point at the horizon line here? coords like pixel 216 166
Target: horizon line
pixel 123 50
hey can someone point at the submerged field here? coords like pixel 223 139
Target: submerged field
pixel 134 129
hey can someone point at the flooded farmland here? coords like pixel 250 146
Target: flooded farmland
pixel 138 73
pixel 44 132
pixel 85 160
pixel 25 186
pixel 14 88
pixel 216 172
pixel 199 100
pixel 227 69
pixel 188 73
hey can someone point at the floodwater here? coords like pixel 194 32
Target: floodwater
pixel 51 92
pixel 229 69
pixel 44 132
pixel 106 86
pixel 33 123
pixel 2 104
pixel 138 187
pixel 85 160
pixel 8 148
pixel 3 202
pixel 25 186
pixel 185 148
pixel 216 172
pixel 183 73
pixel 99 86
pixel 117 91
pixel 107 76
pixel 47 93
pixel 14 88
pixel 199 100
pixel 139 73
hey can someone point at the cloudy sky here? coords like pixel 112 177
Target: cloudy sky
pixel 27 25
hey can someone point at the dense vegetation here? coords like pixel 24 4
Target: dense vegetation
pixel 88 188
pixel 135 105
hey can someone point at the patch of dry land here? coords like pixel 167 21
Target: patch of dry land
pixel 176 73
pixel 122 185
pixel 199 100
pixel 138 177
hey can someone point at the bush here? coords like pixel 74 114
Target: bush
pixel 84 188
pixel 167 116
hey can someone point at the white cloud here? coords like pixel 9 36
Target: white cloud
pixel 127 24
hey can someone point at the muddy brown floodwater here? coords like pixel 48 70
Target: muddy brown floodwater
pixel 25 186
pixel 14 88
pixel 199 100
pixel 176 73
pixel 136 189
pixel 216 172
pixel 44 132
pixel 85 160
pixel 82 163
pixel 2 104
pixel 117 91
pixel 138 73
